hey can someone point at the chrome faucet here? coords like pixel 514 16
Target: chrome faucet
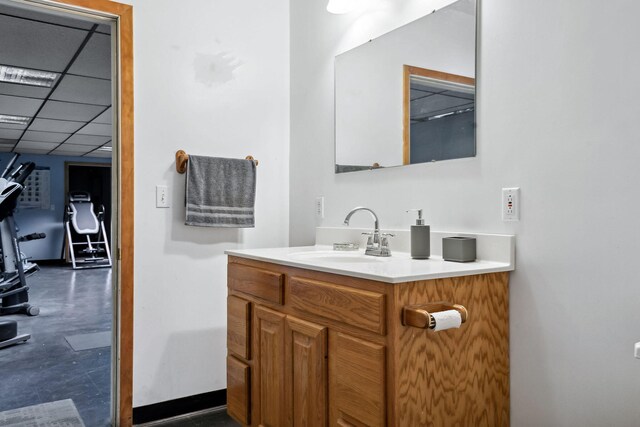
pixel 377 243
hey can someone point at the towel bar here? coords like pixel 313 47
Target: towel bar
pixel 182 158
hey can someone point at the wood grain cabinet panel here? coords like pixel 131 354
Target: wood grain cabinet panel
pixel 306 373
pixel 313 349
pixel 354 307
pixel 269 369
pixel 357 385
pixel 238 392
pixel 239 327
pixel 260 283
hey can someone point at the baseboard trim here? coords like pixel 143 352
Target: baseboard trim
pixel 176 407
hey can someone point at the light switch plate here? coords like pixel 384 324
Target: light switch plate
pixel 162 196
pixel 637 350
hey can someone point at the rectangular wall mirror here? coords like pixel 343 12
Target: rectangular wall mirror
pixel 409 96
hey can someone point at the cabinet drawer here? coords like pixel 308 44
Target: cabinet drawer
pixel 354 307
pixel 264 284
pixel 239 327
pixel 238 391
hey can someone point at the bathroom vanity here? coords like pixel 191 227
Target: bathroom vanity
pixel 318 338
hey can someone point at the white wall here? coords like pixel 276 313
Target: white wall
pixel 211 78
pixel 557 116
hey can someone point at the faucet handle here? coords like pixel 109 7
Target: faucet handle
pixel 384 244
pixel 369 239
pixel 388 234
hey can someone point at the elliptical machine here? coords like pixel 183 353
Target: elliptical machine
pixel 14 267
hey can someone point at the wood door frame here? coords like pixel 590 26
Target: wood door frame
pixel 123 196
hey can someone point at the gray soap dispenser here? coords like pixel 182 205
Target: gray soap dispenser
pixel 420 238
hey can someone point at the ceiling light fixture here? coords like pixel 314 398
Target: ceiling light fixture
pixel 340 7
pixel 23 76
pixel 14 120
pixel 109 149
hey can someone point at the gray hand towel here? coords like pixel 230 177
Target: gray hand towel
pixel 220 192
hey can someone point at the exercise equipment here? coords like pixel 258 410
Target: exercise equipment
pixel 14 265
pixel 80 215
pixel 9 334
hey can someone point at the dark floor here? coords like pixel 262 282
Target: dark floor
pixel 216 418
pixel 46 368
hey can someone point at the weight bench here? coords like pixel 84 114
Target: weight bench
pixel 79 214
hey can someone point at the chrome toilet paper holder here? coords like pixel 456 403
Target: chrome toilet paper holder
pixel 420 315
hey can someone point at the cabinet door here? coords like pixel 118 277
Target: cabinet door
pixel 238 390
pixel 269 397
pixel 357 383
pixel 306 375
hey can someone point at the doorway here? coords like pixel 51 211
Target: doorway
pixel 104 12
pixel 93 179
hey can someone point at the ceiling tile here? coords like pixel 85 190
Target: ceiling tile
pixel 101 154
pixel 95 58
pixel 96 129
pixel 105 118
pixel 83 89
pixel 88 140
pixel 36 145
pixel 10 133
pixel 104 28
pixel 32 151
pixel 16 106
pixel 49 16
pixel 31 135
pixel 437 104
pixel 67 111
pixel 68 153
pixel 12 126
pixel 50 47
pixel 71 149
pixel 56 125
pixel 23 90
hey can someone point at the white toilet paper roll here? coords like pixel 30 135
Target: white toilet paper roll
pixel 447 319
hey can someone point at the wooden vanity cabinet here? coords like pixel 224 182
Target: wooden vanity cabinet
pixel 307 348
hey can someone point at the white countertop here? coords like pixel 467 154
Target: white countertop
pixel 395 269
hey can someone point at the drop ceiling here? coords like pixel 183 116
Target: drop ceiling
pixel 432 101
pixel 73 117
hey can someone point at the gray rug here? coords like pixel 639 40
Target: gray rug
pixel 89 341
pixel 62 413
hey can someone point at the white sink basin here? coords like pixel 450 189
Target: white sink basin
pixel 336 257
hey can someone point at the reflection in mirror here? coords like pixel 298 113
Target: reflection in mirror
pixel 408 96
pixel 439 116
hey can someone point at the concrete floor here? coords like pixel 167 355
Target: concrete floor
pixel 46 368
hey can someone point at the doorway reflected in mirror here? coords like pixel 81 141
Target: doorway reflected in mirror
pixel 439 116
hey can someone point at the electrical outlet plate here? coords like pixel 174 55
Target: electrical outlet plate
pixel 320 207
pixel 162 196
pixel 511 204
